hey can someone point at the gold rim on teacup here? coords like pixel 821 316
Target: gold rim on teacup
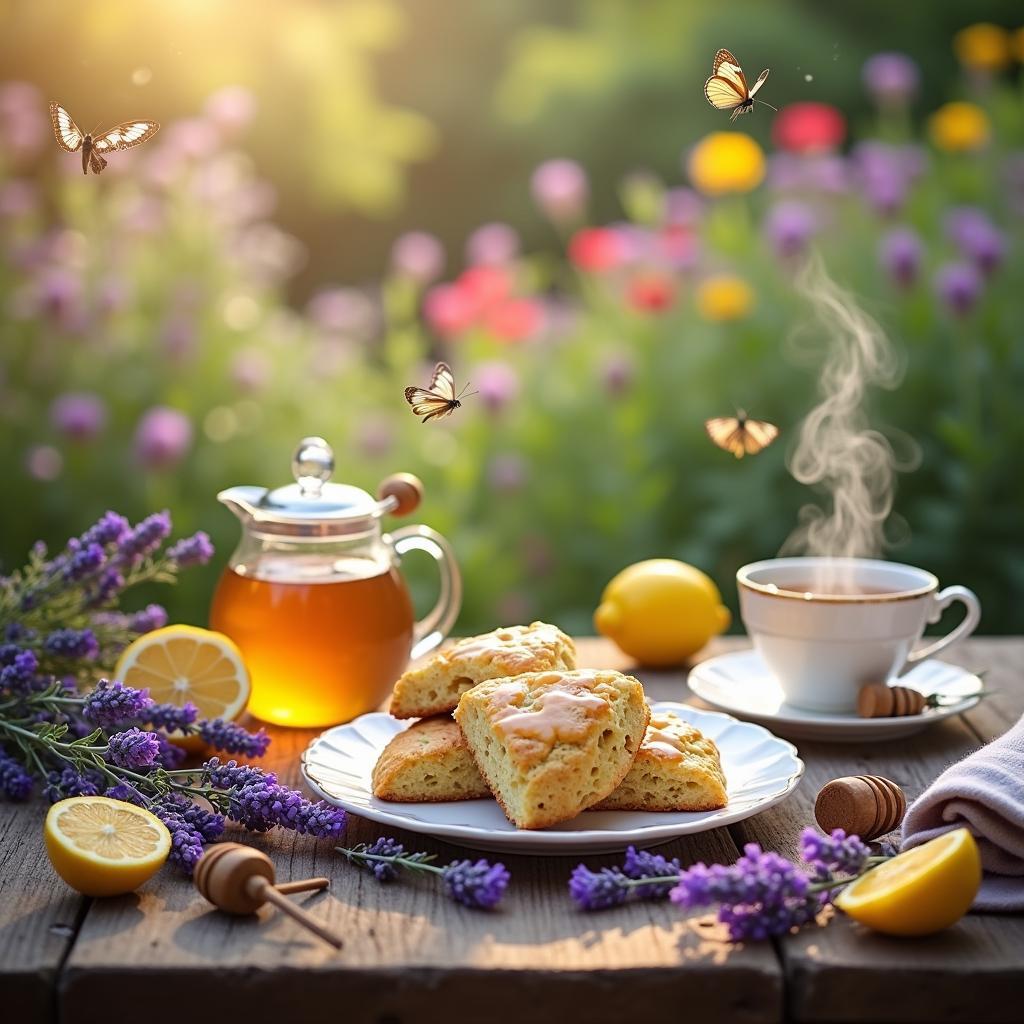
pixel 779 590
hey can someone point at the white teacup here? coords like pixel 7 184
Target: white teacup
pixel 827 626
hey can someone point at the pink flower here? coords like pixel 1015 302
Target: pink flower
pixel 162 437
pixel 231 108
pixel 651 292
pixel 343 311
pixel 251 369
pixel 79 415
pixel 597 250
pixel 18 198
pixel 514 319
pixel 44 462
pixel 492 245
pixel 808 127
pixel 418 256
pixel 498 385
pixel 676 246
pixel 486 285
pixel 560 189
pixel 449 309
pixel 178 337
pixel 683 206
pixel 23 123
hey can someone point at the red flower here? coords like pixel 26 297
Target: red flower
pixel 449 309
pixel 651 292
pixel 485 286
pixel 808 127
pixel 513 319
pixel 596 249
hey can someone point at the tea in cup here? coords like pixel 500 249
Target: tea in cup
pixel 825 627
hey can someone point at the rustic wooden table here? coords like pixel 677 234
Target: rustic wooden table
pixel 411 956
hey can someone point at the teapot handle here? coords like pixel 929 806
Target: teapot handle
pixel 437 623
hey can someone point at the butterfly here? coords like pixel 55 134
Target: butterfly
pixel 71 138
pixel 440 398
pixel 739 434
pixel 727 88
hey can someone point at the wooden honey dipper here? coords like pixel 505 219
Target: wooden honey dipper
pixel 239 880
pixel 863 805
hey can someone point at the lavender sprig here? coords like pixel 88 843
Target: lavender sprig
pixel 478 884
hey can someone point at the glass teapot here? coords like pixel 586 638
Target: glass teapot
pixel 313 597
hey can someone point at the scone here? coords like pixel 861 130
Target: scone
pixel 676 769
pixel 435 688
pixel 427 763
pixel 550 744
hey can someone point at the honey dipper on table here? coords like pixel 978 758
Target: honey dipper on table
pixel 239 880
pixel 863 805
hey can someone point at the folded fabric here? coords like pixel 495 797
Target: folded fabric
pixel 985 793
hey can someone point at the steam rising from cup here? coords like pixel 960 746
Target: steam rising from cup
pixel 837 450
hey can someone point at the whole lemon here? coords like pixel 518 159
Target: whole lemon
pixel 661 611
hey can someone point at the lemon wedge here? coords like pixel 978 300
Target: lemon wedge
pixel 104 847
pixel 178 664
pixel 920 891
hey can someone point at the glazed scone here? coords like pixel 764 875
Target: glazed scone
pixel 550 744
pixel 435 688
pixel 676 769
pixel 427 763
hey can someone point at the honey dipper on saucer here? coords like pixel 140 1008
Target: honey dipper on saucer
pixel 863 805
pixel 239 880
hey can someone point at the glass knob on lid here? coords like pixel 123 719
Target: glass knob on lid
pixel 312 465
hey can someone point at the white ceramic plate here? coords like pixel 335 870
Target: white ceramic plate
pixel 760 770
pixel 740 682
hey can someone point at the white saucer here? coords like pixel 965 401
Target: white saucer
pixel 760 770
pixel 741 683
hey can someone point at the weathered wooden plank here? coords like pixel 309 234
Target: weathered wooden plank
pixel 411 955
pixel 38 916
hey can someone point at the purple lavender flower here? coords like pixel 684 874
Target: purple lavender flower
pixel 194 550
pixel 959 285
pixel 837 852
pixel 153 616
pixel 162 437
pixel 761 895
pixel 789 227
pixel 560 189
pixel 383 870
pixel 977 238
pixel 892 79
pixel 84 562
pixel 126 793
pixel 233 739
pixel 598 890
pixel 15 782
pixel 112 705
pixel 144 538
pixel 418 256
pixel 75 644
pixel 900 252
pixel 492 245
pixel 186 839
pixel 170 716
pixel 109 529
pixel 20 673
pixel 886 172
pixel 798 173
pixel 261 804
pixel 232 775
pixel 69 782
pixel 78 415
pixel 133 748
pixel 107 587
pixel 478 884
pixel 169 755
pixel 642 864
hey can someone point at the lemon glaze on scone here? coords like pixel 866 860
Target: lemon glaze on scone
pixel 550 744
pixel 435 687
pixel 427 763
pixel 676 769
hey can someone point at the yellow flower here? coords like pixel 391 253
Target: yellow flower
pixel 959 127
pixel 982 47
pixel 724 297
pixel 726 162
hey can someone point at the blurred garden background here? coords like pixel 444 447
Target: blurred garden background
pixel 343 192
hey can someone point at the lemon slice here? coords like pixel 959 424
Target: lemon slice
pixel 104 847
pixel 178 664
pixel 918 892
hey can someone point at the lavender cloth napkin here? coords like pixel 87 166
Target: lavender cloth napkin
pixel 985 793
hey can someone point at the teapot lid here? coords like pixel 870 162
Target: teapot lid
pixel 313 496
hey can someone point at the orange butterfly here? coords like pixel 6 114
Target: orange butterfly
pixel 440 398
pixel 727 88
pixel 71 138
pixel 740 435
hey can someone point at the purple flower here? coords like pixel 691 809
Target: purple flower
pixel 900 252
pixel 642 864
pixel 126 794
pixel 478 884
pixel 837 852
pixel 261 804
pixel 797 173
pixel 144 538
pixel 162 437
pixel 69 782
pixel 560 189
pixel 109 529
pixel 133 748
pixel 84 562
pixel 232 775
pixel 233 739
pixel 617 374
pixel 383 870
pixel 23 125
pixel 891 78
pixel 20 672
pixel 15 782
pixel 492 245
pixel 60 296
pixel 110 583
pixel 251 370
pixel 76 644
pixel 79 415
pixel 886 172
pixel 418 256
pixel 683 207
pixel 194 550
pixel 959 285
pixel 761 895
pixel 18 198
pixel 789 227
pixel 170 716
pixel 186 839
pixel 178 337
pixel 153 616
pixel 170 755
pixel 977 237
pixel 112 705
pixel 343 311
pixel 598 890
pixel 498 384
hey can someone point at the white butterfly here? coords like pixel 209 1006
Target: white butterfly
pixel 71 138
pixel 440 398
pixel 727 88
